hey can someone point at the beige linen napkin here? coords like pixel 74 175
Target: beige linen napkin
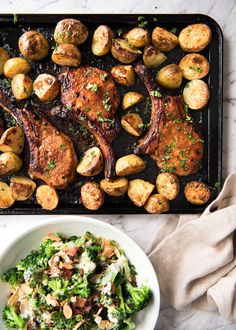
pixel 195 259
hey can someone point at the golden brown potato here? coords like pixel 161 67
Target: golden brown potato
pixel 46 87
pixel 164 40
pixel 66 54
pixel 196 94
pixel 152 57
pixel 168 185
pixel 22 188
pixel 124 52
pixel 91 162
pixel 92 196
pixel 137 37
pixel 195 37
pixel 21 86
pixel 194 66
pixel 157 204
pixel 139 190
pixel 6 199
pixel 13 139
pixel 102 40
pixel 33 45
pixel 130 99
pixel 70 31
pixel 14 66
pixel 123 74
pixel 115 187
pixel 47 197
pixel 170 76
pixel 10 163
pixel 3 58
pixel 132 123
pixel 129 164
pixel 197 192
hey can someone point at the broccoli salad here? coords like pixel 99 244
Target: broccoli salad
pixel 74 283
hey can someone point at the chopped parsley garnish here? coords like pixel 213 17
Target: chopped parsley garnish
pixel 104 76
pixel 6 83
pixel 69 107
pixel 169 169
pixel 15 18
pixel 51 164
pixel 104 120
pixel 142 22
pixel 187 116
pixel 155 93
pixel 54 47
pixel 92 87
pixel 106 102
pixel 195 68
pixel 87 109
pixel 119 32
pixel 59 35
pixel 174 30
pixel 183 164
pixel 62 146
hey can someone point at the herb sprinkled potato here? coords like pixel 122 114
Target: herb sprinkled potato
pixel 115 187
pixel 123 74
pixel 102 40
pixel 92 196
pixel 16 65
pixel 129 164
pixel 3 58
pixel 157 204
pixel 10 163
pixel 12 139
pixel 91 162
pixel 132 123
pixel 46 87
pixel 197 192
pixel 21 86
pixel 137 37
pixel 195 37
pixel 22 187
pixel 33 45
pixel 123 52
pixel 130 99
pixel 164 40
pixel 152 57
pixel 167 185
pixel 66 55
pixel 139 190
pixel 47 197
pixel 196 94
pixel 194 66
pixel 170 76
pixel 70 31
pixel 6 199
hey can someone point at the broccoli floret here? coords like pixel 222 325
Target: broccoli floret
pixel 62 323
pixel 13 276
pixel 120 312
pixel 138 298
pixel 93 251
pixel 81 288
pixel 12 319
pixel 59 286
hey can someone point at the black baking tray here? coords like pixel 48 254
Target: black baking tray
pixel 209 120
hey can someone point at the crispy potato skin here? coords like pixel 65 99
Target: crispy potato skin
pixel 152 57
pixel 3 58
pixel 33 45
pixel 47 197
pixel 123 74
pixel 66 55
pixel 168 185
pixel 22 188
pixel 132 124
pixel 137 37
pixel 6 199
pixel 16 65
pixel 70 31
pixel 91 162
pixel 22 86
pixel 196 94
pixel 157 204
pixel 92 196
pixel 130 99
pixel 46 87
pixel 195 37
pixel 13 139
pixel 102 40
pixel 170 76
pixel 129 164
pixel 116 187
pixel 139 190
pixel 163 40
pixel 197 192
pixel 9 163
pixel 194 66
pixel 123 52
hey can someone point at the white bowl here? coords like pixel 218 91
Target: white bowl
pixel 78 225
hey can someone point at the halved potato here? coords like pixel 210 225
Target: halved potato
pixel 137 37
pixel 167 185
pixel 9 163
pixel 33 45
pixel 196 94
pixel 92 196
pixel 124 52
pixel 157 204
pixel 130 99
pixel 3 58
pixel 6 199
pixel 115 187
pixel 195 37
pixel 46 87
pixel 170 76
pixel 13 139
pixel 91 162
pixel 129 164
pixel 123 74
pixel 132 123
pixel 47 197
pixel 194 66
pixel 22 187
pixel 70 31
pixel 16 65
pixel 66 55
pixel 197 192
pixel 21 86
pixel 152 57
pixel 139 190
pixel 102 40
pixel 164 40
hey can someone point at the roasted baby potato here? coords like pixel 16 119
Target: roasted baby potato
pixel 33 45
pixel 66 55
pixel 164 40
pixel 195 37
pixel 115 187
pixel 14 66
pixel 13 139
pixel 70 31
pixel 130 99
pixel 91 162
pixel 47 197
pixel 10 163
pixel 132 123
pixel 3 58
pixel 21 86
pixel 139 190
pixel 194 66
pixel 196 94
pixel 123 74
pixel 197 192
pixel 170 76
pixel 167 185
pixel 102 40
pixel 92 196
pixel 124 52
pixel 137 37
pixel 129 164
pixel 157 204
pixel 6 199
pixel 22 188
pixel 46 87
pixel 152 57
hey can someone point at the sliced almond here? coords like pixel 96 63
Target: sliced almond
pixel 54 260
pixel 78 325
pixel 14 298
pixel 53 237
pixel 66 265
pixel 108 252
pixel 24 306
pixel 51 300
pixel 67 311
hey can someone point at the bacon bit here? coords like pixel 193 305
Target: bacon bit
pixel 80 302
pixel 51 300
pixel 81 272
pixel 52 237
pixel 67 311
pixel 67 274
pixel 96 278
pixel 71 251
pixel 66 265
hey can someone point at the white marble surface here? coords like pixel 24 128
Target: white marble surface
pixel 142 228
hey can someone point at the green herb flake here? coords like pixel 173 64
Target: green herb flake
pixel 15 18
pixel 87 109
pixel 92 87
pixel 119 32
pixel 174 30
pixel 187 116
pixel 104 76
pixel 195 68
pixel 142 22
pixel 62 146
pixel 54 47
pixel 155 93
pixel 51 164
pixel 59 35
